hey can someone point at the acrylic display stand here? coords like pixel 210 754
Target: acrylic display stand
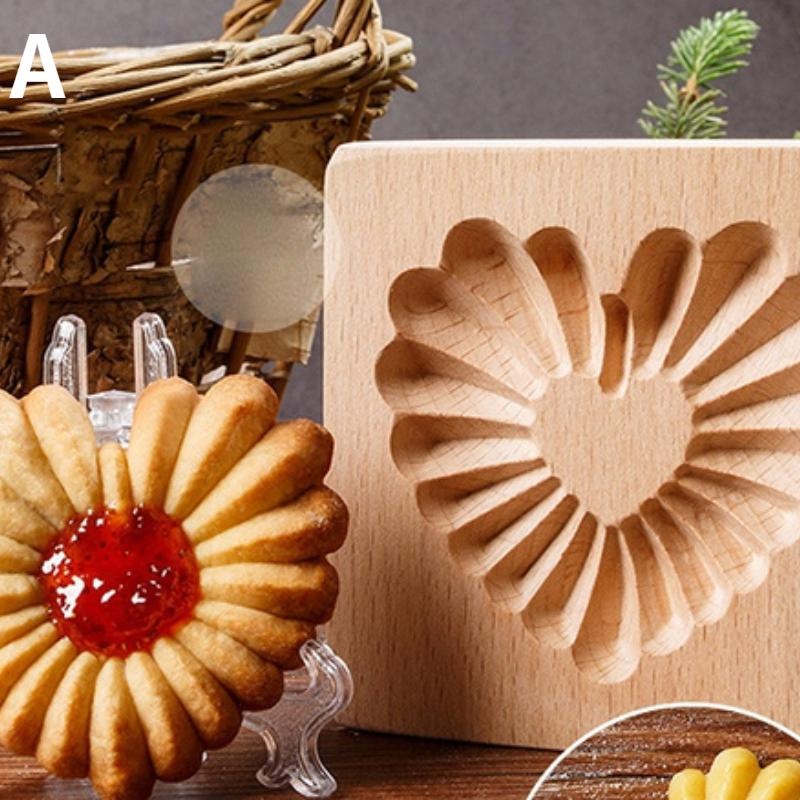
pixel 314 694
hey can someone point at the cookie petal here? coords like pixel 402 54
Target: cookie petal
pixel 304 591
pixel 120 766
pixel 214 714
pixel 18 623
pixel 256 683
pixel 64 742
pixel 313 525
pixel 117 491
pixel 66 437
pixel 291 458
pixel 17 557
pixel 159 423
pixel 18 592
pixel 21 522
pixel 17 656
pixel 24 465
pixel 229 420
pixel 22 714
pixel 273 638
pixel 174 748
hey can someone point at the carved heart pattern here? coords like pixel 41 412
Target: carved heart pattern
pixel 507 349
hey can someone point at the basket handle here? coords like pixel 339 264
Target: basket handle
pixel 247 18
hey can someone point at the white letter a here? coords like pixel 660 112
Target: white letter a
pixel 27 74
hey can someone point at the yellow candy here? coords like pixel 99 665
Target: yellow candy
pixel 735 775
pixel 732 774
pixel 688 785
pixel 779 781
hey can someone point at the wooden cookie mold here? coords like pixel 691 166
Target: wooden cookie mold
pixel 571 371
pixel 484 337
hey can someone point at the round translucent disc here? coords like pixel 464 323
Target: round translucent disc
pixel 247 248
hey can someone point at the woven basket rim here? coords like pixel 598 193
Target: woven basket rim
pixel 307 72
pixel 129 53
pixel 165 116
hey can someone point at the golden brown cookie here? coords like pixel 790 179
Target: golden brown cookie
pixel 149 596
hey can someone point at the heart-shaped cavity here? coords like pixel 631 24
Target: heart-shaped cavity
pixel 615 467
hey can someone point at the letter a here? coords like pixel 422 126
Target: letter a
pixel 27 74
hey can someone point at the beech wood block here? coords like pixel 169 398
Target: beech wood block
pixel 564 383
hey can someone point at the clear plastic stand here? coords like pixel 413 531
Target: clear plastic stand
pixel 316 693
pixel 313 697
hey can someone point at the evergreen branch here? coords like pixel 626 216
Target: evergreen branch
pixel 713 49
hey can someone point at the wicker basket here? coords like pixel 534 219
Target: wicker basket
pixel 92 186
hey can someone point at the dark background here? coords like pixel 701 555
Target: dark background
pixel 501 69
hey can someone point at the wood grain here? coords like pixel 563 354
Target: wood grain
pixel 608 547
pixel 367 766
pixel 637 757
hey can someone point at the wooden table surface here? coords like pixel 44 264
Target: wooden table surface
pixel 366 766
pixel 635 759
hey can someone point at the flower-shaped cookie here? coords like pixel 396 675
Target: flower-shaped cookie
pixel 147 597
pixel 487 339
pixel 736 775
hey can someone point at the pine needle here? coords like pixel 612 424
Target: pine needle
pixel 713 49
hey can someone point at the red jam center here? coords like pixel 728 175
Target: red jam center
pixel 115 581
